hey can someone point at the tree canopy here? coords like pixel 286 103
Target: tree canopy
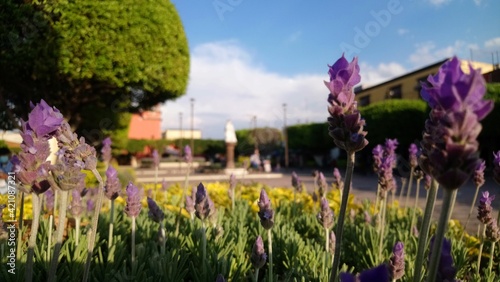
pixel 87 57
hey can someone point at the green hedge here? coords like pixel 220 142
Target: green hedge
pixel 201 147
pixel 489 139
pixel 312 137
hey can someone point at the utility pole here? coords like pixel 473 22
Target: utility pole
pixel 180 132
pixel 192 125
pixel 285 135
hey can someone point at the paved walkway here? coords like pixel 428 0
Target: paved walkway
pixel 364 187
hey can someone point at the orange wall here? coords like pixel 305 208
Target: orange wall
pixel 146 125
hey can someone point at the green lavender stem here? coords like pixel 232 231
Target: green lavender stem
pixel 270 247
pixel 327 245
pixel 446 210
pixel 111 222
pixel 256 277
pixel 490 263
pixel 163 239
pixel 470 211
pixel 20 226
pixel 424 231
pixel 59 235
pixel 34 231
pixel 383 210
pixel 203 247
pixel 340 223
pixel 49 237
pixel 410 185
pixel 77 230
pixel 415 204
pixel 133 241
pixel 483 235
pixel 181 201
pixel 91 234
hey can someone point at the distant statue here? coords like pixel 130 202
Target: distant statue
pixel 230 133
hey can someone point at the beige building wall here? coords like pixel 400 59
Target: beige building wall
pixel 173 134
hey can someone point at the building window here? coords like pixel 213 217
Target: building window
pixel 394 93
pixel 364 101
pixel 421 80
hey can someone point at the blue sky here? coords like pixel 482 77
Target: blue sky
pixel 248 57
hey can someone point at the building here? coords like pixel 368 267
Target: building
pixel 146 125
pixel 174 134
pixel 408 86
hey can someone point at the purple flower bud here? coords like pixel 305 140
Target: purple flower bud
pixel 232 186
pixel 156 158
pixel 413 152
pixel 496 167
pixel 428 182
pixel 322 185
pixel 258 257
pixel 67 177
pixel 379 274
pixel 49 200
pixel 155 212
pixel 346 125
pixel 266 213
pixel 44 120
pixel 76 206
pixel 188 155
pixel 479 174
pixel 134 195
pixel 296 183
pixel 90 205
pixel 484 210
pixel 106 149
pixel 492 231
pixel 203 205
pixel 112 188
pixel 368 217
pixel 325 216
pixel 331 242
pixel 189 205
pixel 338 182
pixel 446 269
pixel 397 261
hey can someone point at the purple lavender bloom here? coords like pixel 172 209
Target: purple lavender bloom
pixel 413 158
pixel 390 146
pixel 397 261
pixel 232 186
pixel 76 206
pixel 266 213
pixel 378 154
pixel 484 210
pixel 496 167
pixel 322 185
pixel 446 269
pixel 106 149
pixel 379 274
pixel 188 154
pixel 427 182
pixel 156 158
pixel 44 120
pixel 189 205
pixel 451 90
pixel 338 182
pixel 325 216
pixel 154 211
pixel 331 242
pixel 346 125
pixel 66 176
pixel 134 195
pixel 385 159
pixel 203 205
pixel 296 183
pixel 259 256
pixel 112 188
pixel 479 174
pixel 49 200
pixel 449 145
pixel 90 205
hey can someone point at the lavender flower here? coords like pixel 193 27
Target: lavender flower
pixel 232 186
pixel 189 205
pixel 90 205
pixel 259 256
pixel 492 232
pixel 203 206
pixel 76 206
pixel 337 179
pixel 446 270
pixel 106 149
pixel 49 200
pixel 397 261
pixel 379 274
pixel 154 211
pixel 428 182
pixel 112 188
pixel 496 167
pixel 156 158
pixel 413 152
pixel 134 195
pixel 322 185
pixel 449 145
pixel 44 120
pixel 378 154
pixel 325 216
pixel 384 157
pixel 73 150
pixel 296 183
pixel 266 213
pixel 66 176
pixel 346 125
pixel 479 174
pixel 368 217
pixel 188 155
pixel 484 210
pixel 331 242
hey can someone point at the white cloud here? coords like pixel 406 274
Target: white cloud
pixel 438 3
pixel 492 43
pixel 403 31
pixel 477 2
pixel 427 52
pixel 227 84
pixel 371 75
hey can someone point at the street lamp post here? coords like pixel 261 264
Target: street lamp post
pixel 192 125
pixel 285 135
pixel 180 132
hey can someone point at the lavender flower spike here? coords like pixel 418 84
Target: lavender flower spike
pixel 259 256
pixel 266 213
pixel 106 149
pixel 479 174
pixel 44 120
pixel 346 125
pixel 154 211
pixel 156 158
pixel 413 152
pixel 296 183
pixel 379 274
pixel 134 195
pixel 325 216
pixel 484 210
pixel 113 187
pixel 496 167
pixel 202 204
pixel 339 183
pixel 188 154
pixel 397 262
pixel 331 242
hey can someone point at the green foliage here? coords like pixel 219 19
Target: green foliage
pixel 267 139
pixel 312 137
pixel 489 136
pixel 205 147
pixel 86 57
